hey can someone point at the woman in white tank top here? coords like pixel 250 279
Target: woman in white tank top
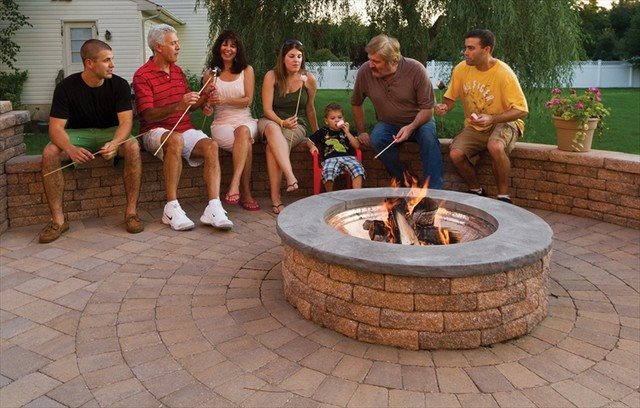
pixel 233 128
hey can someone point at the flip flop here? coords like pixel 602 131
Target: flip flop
pixel 232 198
pixel 276 208
pixel 292 187
pixel 251 205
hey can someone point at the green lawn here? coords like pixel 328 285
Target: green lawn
pixel 622 133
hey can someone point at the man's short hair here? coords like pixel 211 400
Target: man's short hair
pixel 91 48
pixel 486 37
pixel 157 33
pixel 388 47
pixel 332 107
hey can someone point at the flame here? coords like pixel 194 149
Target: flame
pixel 416 195
pixel 443 234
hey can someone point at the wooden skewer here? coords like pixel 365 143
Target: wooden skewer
pixel 180 119
pixel 383 150
pixel 94 154
pixel 216 73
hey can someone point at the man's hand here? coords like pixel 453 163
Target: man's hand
pixel 108 151
pixel 482 119
pixel 404 133
pixel 364 139
pixel 79 154
pixel 441 109
pixel 188 100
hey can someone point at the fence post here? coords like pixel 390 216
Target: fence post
pixel 598 73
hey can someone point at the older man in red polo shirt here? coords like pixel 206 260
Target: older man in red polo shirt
pixel 162 96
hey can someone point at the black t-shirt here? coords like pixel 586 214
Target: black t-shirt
pixel 87 107
pixel 332 143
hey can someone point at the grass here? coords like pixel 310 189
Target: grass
pixel 622 133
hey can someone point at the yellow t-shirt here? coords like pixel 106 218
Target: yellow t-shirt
pixel 493 91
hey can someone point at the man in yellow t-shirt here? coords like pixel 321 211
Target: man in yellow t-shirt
pixel 494 106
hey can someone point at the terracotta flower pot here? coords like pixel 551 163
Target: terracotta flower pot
pixel 573 138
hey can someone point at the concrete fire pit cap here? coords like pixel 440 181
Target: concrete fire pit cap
pixel 521 237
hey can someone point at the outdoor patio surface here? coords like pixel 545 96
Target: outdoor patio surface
pixel 197 318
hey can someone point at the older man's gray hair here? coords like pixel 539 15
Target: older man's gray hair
pixel 157 33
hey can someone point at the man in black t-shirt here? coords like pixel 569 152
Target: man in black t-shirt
pixel 91 112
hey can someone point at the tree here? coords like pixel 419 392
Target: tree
pixel 12 21
pixel 540 56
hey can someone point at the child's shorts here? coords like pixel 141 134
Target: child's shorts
pixel 334 166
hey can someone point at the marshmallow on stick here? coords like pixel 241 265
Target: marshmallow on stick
pixel 340 123
pixel 474 116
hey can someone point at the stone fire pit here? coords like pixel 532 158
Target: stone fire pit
pixel 462 295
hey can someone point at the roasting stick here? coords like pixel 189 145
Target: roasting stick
pixel 183 113
pixel 303 78
pixel 383 150
pixel 94 154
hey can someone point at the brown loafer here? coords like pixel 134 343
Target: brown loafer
pixel 134 224
pixel 52 232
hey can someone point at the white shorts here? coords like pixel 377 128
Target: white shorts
pixel 152 140
pixel 223 134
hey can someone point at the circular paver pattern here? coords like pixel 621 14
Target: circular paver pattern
pixel 198 318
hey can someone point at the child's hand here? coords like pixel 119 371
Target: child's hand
pixel 345 127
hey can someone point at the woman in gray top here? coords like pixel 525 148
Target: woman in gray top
pixel 288 94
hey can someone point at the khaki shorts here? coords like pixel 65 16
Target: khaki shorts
pixel 153 138
pixel 294 137
pixel 473 142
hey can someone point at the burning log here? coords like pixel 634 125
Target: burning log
pixel 377 230
pixel 406 235
pixel 438 236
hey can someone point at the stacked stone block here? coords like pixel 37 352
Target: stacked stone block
pixel 11 145
pixel 418 312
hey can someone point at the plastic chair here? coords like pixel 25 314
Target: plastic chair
pixel 317 172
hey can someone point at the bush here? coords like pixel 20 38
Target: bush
pixel 194 81
pixel 11 85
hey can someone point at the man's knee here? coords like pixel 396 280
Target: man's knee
pixel 51 153
pixel 174 143
pixel 496 148
pixel 131 149
pixel 457 155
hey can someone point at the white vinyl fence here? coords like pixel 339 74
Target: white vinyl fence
pixel 602 74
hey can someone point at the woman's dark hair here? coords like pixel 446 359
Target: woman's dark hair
pixel 240 61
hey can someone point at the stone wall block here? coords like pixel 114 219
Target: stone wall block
pixel 407 339
pixel 408 284
pixel 472 284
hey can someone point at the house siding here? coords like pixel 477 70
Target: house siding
pixel 41 46
pixel 194 35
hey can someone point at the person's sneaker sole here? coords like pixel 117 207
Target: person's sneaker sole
pixel 226 226
pixel 185 227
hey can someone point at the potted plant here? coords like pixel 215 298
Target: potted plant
pixel 576 117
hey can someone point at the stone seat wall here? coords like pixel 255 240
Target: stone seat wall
pixel 599 184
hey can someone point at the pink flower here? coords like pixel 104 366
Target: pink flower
pixel 579 105
pixel 556 101
pixel 556 91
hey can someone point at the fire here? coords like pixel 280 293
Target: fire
pixel 403 226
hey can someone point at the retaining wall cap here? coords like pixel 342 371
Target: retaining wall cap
pixel 5 106
pixel 24 164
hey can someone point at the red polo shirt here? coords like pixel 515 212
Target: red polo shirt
pixel 154 88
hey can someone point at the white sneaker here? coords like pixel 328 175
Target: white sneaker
pixel 175 216
pixel 215 215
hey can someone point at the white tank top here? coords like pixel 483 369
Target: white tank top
pixel 227 114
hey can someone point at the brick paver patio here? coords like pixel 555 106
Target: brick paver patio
pixel 104 318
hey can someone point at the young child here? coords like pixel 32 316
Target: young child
pixel 336 146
